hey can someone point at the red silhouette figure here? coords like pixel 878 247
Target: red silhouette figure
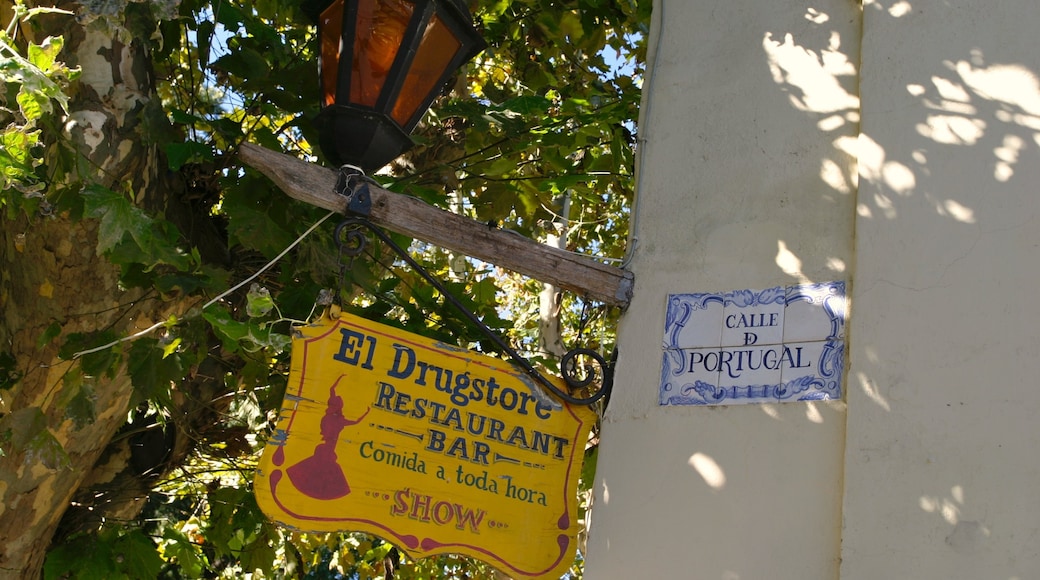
pixel 320 476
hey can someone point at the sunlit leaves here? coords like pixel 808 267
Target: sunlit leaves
pixel 34 81
pixel 17 161
pixel 40 77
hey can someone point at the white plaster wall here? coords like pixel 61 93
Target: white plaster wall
pixel 942 466
pixel 747 181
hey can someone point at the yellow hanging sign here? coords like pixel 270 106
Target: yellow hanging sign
pixel 434 448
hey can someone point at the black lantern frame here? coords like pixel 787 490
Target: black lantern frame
pixel 367 117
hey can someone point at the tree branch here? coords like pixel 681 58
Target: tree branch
pixel 410 216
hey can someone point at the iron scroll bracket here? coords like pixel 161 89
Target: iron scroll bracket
pixel 575 366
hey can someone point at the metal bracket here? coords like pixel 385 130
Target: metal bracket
pixel 352 183
pixel 577 372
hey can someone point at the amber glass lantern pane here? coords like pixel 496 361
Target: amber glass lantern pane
pixel 381 25
pixel 331 24
pixel 435 53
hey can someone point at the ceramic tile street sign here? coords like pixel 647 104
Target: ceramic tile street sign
pixel 779 344
pixel 434 448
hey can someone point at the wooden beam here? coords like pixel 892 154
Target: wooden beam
pixel 413 217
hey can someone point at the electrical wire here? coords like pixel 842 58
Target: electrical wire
pixel 221 296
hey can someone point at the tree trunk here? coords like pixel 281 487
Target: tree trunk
pixel 52 277
pixel 550 337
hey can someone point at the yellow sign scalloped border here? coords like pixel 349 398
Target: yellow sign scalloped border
pixel 434 448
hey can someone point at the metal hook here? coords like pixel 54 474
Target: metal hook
pixel 352 183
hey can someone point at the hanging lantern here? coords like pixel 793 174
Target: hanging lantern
pixel 381 64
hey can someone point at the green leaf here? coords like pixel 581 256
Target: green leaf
pixel 588 468
pixel 251 224
pixel 94 363
pixel 205 38
pixel 78 398
pixel 45 55
pixel 485 291
pixel 185 118
pixel 112 553
pixel 570 26
pixel 171 348
pixel 259 554
pixel 177 154
pixel 495 202
pixel 246 335
pixel 100 363
pixel 180 282
pixel 180 549
pixel 81 408
pixel 229 515
pixel 33 104
pixel 22 425
pixel 44 449
pixel 152 372
pixel 136 556
pixel 230 330
pixel 118 216
pixel 527 105
pixel 378 553
pixel 231 130
pixel 266 338
pixel 258 301
pixel 153 241
pixel 556 159
pixel 244 63
pixel 16 153
pixel 539 78
pixel 501 166
pixel 230 16
pixel 84 557
pixel 48 335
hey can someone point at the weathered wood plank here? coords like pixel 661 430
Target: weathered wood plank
pixel 413 217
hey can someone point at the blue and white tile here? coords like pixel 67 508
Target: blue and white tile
pixel 684 378
pixel 693 320
pixel 813 371
pixel 754 317
pixel 815 312
pixel 751 375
